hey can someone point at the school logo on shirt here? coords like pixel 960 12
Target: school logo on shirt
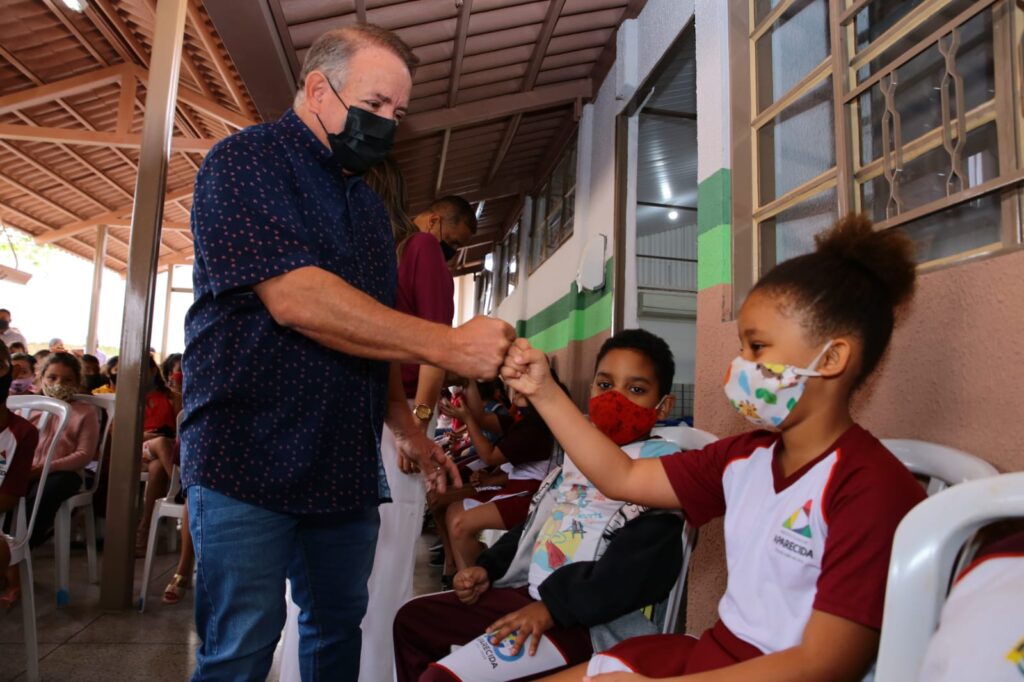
pixel 1016 656
pixel 800 520
pixel 795 541
pixel 504 648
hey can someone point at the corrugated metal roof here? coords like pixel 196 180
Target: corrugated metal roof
pixel 63 73
pixel 494 101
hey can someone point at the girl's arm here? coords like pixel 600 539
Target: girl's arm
pixel 602 461
pixel 833 649
pixel 485 450
pixel 488 421
pixel 86 441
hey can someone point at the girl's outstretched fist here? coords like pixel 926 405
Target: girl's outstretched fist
pixel 526 370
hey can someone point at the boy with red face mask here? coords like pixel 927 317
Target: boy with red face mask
pixel 566 583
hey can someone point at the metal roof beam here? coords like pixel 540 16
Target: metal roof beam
pixel 63 88
pixel 540 48
pixel 427 122
pixel 113 216
pixel 461 33
pixel 506 142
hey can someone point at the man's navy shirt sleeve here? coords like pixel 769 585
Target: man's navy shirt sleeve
pixel 246 222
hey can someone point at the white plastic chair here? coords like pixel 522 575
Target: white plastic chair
pixel 686 438
pixel 942 465
pixel 165 508
pixel 25 405
pixel 924 552
pixel 81 500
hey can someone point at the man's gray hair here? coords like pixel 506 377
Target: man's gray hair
pixel 331 52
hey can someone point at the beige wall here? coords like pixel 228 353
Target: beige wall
pixel 951 376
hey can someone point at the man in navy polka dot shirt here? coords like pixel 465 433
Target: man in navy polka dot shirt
pixel 291 365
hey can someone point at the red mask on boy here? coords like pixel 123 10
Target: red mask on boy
pixel 619 418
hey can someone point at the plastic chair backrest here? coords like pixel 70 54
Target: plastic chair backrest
pixel 104 402
pixel 942 465
pixel 25 406
pixel 686 438
pixel 923 554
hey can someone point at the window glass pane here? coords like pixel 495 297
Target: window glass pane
pixel 923 179
pixel 796 43
pixel 537 233
pixel 971 225
pixel 762 8
pixel 879 16
pixel 918 94
pixel 798 144
pixel 791 233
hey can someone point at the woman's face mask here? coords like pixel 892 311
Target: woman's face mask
pixel 60 391
pixel 766 393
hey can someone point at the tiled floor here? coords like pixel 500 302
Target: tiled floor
pixel 81 643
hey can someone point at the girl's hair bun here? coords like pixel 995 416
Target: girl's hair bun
pixel 886 256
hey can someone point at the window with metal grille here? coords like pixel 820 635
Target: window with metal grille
pixel 554 209
pixel 906 110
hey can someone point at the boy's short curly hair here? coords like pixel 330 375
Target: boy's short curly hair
pixel 652 346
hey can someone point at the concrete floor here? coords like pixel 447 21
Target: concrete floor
pixel 81 643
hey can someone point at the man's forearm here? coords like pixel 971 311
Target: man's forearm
pixel 327 309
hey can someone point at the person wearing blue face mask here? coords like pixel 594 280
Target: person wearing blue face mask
pixel 295 277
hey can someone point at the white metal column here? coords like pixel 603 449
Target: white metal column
pixel 91 337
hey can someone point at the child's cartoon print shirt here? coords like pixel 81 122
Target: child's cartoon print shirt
pixel 580 515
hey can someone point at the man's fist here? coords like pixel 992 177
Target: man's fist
pixel 478 347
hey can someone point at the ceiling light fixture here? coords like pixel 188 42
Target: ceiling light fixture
pixel 75 5
pixel 673 215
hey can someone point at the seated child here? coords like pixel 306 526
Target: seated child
pixel 18 440
pixel 811 500
pixel 62 380
pixel 981 630
pixel 566 583
pixel 24 368
pixel 524 452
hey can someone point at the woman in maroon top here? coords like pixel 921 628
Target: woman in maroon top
pixel 426 289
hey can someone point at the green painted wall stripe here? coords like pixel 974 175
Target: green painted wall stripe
pixel 578 326
pixel 714 257
pixel 714 201
pixel 561 309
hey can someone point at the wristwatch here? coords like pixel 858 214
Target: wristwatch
pixel 423 412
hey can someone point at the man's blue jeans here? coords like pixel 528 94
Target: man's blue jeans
pixel 244 554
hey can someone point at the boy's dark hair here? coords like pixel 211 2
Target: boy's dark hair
pixel 20 345
pixel 67 360
pixel 41 354
pixel 26 357
pixel 91 359
pixel 168 364
pixel 852 283
pixel 652 346
pixel 455 210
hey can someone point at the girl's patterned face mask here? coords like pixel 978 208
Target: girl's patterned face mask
pixel 766 393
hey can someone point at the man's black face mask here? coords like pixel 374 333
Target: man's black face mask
pixel 364 141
